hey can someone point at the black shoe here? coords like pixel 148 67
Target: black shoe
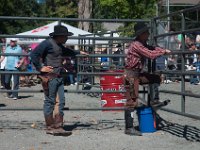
pixel 133 131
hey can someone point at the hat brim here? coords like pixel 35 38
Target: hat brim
pixel 55 34
pixel 13 40
pixel 139 32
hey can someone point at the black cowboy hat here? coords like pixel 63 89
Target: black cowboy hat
pixel 140 28
pixel 60 30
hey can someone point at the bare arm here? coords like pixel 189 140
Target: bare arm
pixel 20 62
pixel 2 58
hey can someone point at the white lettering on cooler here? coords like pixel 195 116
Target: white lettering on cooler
pixel 102 78
pixel 120 101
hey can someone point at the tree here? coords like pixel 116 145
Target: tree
pixel 61 8
pixel 127 8
pixel 18 8
pixel 124 9
pixel 84 12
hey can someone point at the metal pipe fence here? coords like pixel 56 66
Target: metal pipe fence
pixel 109 55
pixel 182 53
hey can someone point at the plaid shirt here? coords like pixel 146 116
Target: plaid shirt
pixel 138 52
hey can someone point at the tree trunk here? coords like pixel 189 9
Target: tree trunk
pixel 84 12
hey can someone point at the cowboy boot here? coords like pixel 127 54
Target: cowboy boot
pixel 129 129
pixel 58 126
pixel 49 124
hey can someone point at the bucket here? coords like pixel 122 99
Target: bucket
pixel 146 120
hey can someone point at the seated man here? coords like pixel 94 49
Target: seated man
pixel 137 53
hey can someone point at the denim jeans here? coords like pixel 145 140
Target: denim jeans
pixel 71 78
pixel 15 83
pixel 193 79
pixel 56 86
pixel 156 91
pixel 3 78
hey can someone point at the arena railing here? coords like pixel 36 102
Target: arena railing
pixel 183 52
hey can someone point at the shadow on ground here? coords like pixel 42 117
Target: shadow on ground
pixel 187 132
pixel 27 96
pixel 99 125
pixel 40 125
pixel 2 105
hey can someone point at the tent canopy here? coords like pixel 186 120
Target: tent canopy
pixel 49 28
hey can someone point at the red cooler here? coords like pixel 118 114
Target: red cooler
pixel 112 83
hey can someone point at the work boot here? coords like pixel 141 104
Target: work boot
pixel 133 132
pixel 129 129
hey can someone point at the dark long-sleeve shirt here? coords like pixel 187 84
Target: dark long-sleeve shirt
pixel 45 48
pixel 137 53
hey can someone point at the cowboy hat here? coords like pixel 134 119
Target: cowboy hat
pixel 13 40
pixel 60 30
pixel 140 28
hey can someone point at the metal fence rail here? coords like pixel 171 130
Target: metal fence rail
pixel 109 45
pixel 182 53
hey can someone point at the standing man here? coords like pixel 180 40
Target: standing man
pixel 51 52
pixel 137 53
pixel 13 63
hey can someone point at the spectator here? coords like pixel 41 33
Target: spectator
pixel 171 65
pixel 3 63
pixel 160 65
pixel 24 79
pixel 197 66
pixel 198 40
pixel 174 41
pixel 188 41
pixel 118 60
pixel 104 60
pixel 67 64
pixel 191 61
pixel 13 63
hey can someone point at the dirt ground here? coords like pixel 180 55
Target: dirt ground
pixel 95 130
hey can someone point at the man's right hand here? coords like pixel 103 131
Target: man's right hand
pixel 48 69
pixel 167 51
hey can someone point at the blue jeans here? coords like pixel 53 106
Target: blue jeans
pixel 15 83
pixel 71 78
pixel 3 78
pixel 56 86
pixel 193 79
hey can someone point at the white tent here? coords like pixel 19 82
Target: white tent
pixel 45 30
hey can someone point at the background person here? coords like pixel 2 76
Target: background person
pixel 118 60
pixel 13 63
pixel 3 63
pixel 67 64
pixel 24 79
